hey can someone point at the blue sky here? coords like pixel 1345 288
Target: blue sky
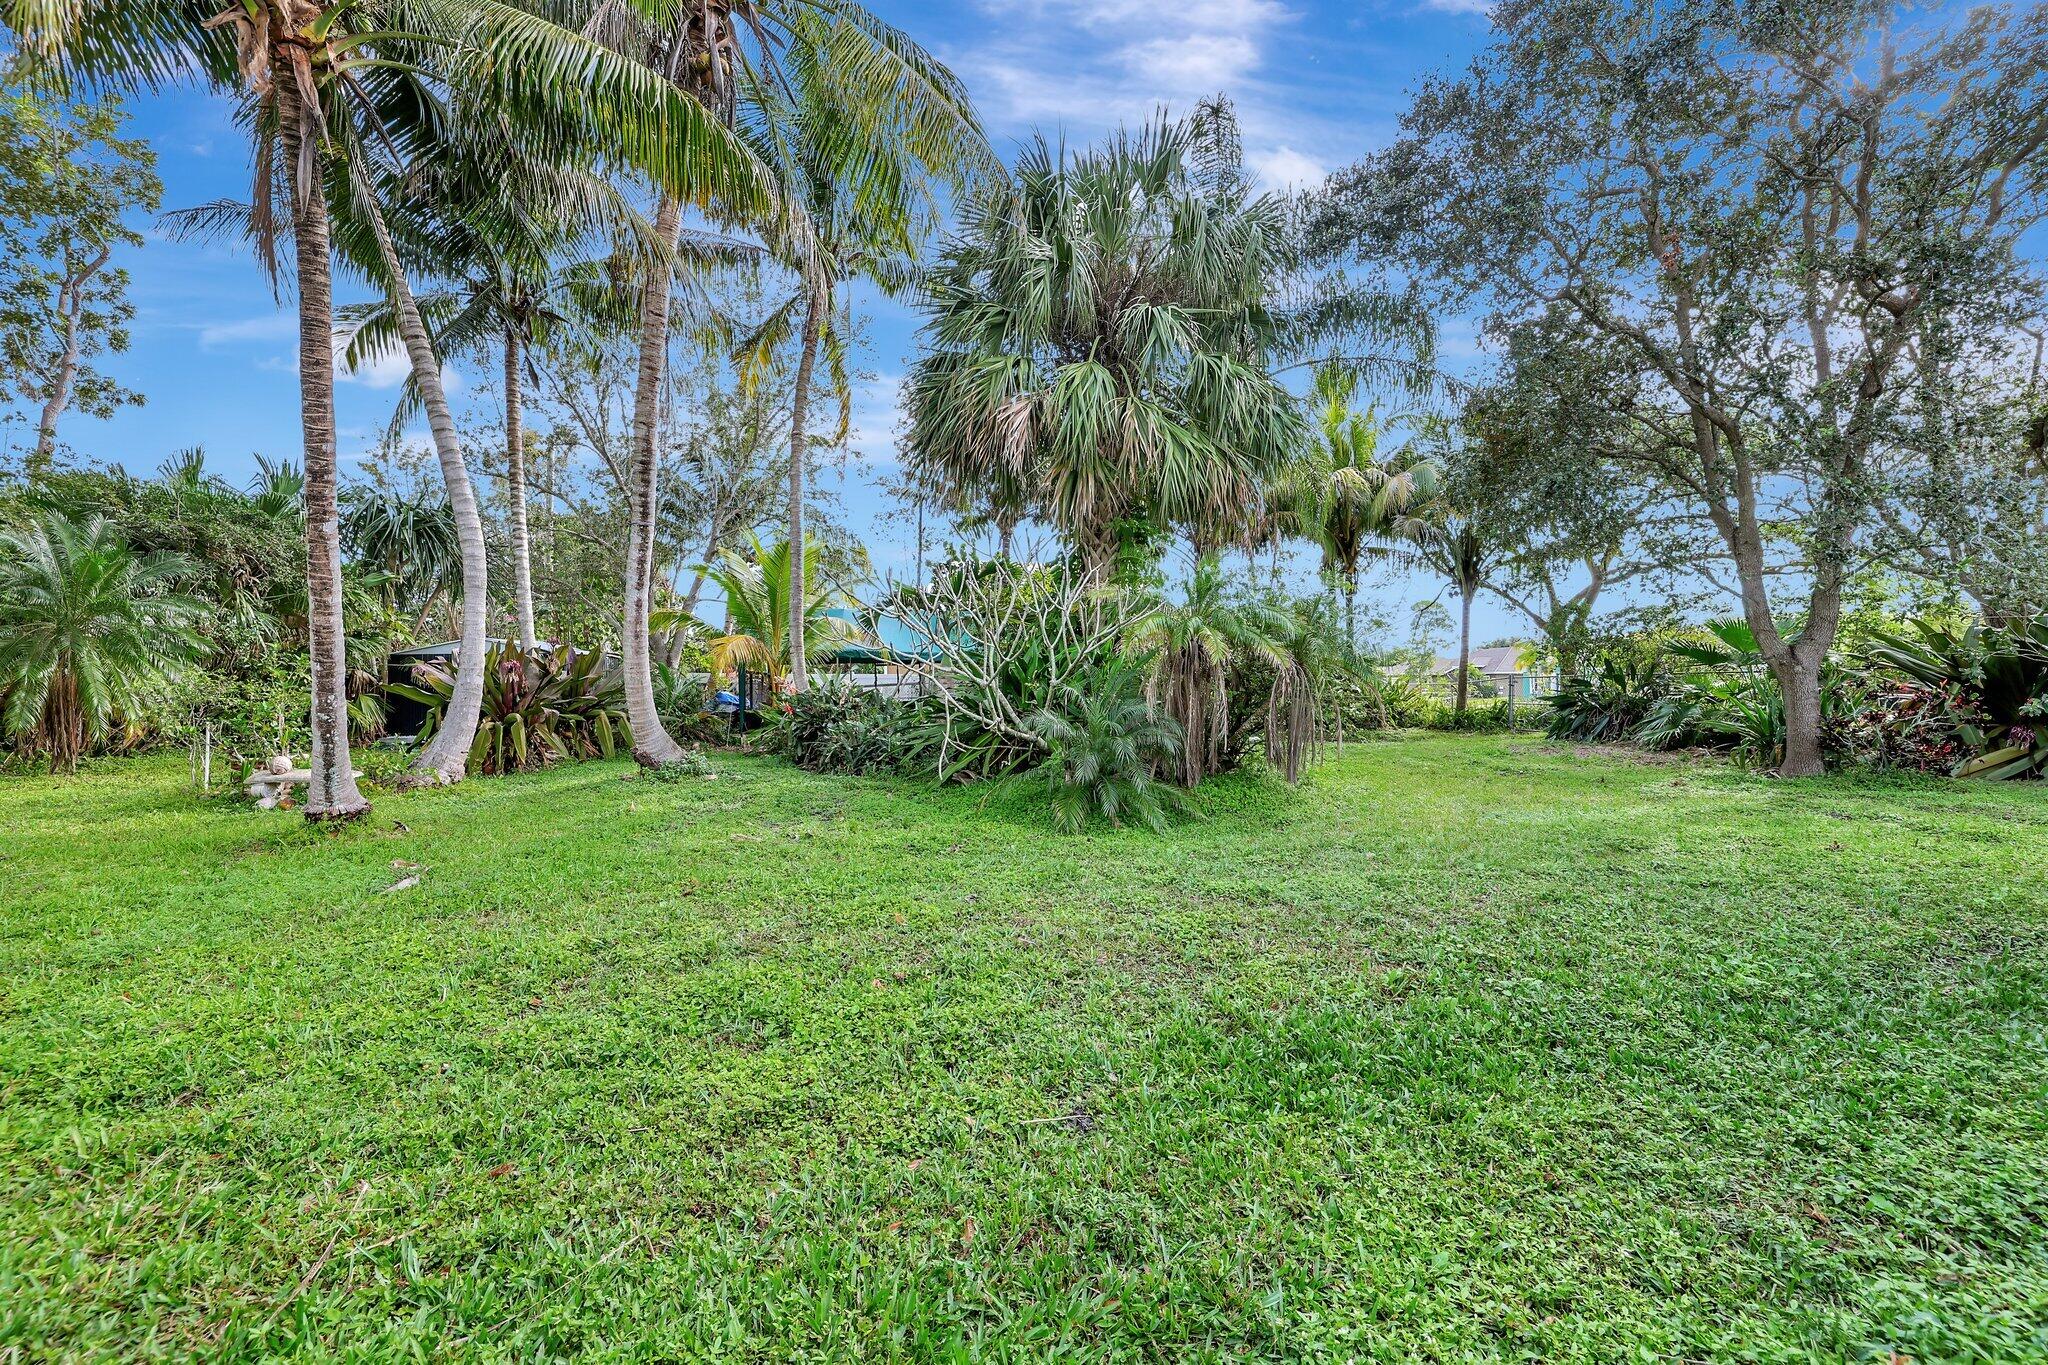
pixel 1316 84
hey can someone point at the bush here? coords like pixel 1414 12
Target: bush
pixel 1104 746
pixel 839 728
pixel 1976 695
pixel 1606 705
pixel 538 708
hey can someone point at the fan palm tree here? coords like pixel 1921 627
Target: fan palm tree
pixel 762 617
pixel 89 631
pixel 751 62
pixel 411 543
pixel 1100 334
pixel 315 74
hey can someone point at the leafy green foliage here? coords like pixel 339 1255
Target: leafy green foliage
pixel 1606 705
pixel 1987 690
pixel 1103 749
pixel 835 727
pixel 539 708
pixel 91 635
pixel 1100 330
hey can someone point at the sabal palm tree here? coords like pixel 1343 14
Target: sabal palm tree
pixel 89 631
pixel 313 72
pixel 751 62
pixel 762 617
pixel 1100 333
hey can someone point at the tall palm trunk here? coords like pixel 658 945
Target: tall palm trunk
pixel 652 744
pixel 332 792
pixel 515 479
pixel 1465 594
pixel 800 397
pixel 446 757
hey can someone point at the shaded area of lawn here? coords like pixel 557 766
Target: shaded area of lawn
pixel 1472 1048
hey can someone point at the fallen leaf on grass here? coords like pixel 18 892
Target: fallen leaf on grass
pixel 503 1168
pixel 402 884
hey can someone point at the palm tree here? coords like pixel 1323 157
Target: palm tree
pixel 89 632
pixel 317 74
pixel 1100 334
pixel 1345 496
pixel 762 617
pixel 1457 544
pixel 752 62
pixel 1302 639
pixel 867 207
pixel 1192 644
pixel 411 543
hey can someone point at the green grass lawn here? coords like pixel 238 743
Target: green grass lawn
pixel 1471 1049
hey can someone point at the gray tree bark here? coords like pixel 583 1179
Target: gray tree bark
pixel 332 792
pixel 652 744
pixel 515 480
pixel 446 757
pixel 800 397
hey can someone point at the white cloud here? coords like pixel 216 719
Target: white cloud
pixel 1459 6
pixel 267 327
pixel 386 370
pixel 1076 69
pixel 877 413
pixel 1283 168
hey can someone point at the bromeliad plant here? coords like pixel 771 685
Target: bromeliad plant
pixel 1987 689
pixel 540 707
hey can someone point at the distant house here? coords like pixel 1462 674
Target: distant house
pixel 1504 671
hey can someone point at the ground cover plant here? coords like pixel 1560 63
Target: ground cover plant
pixel 1471 1047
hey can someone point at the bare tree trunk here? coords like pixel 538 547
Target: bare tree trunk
pixel 446 757
pixel 515 480
pixel 652 744
pixel 69 301
pixel 800 397
pixel 1465 593
pixel 332 792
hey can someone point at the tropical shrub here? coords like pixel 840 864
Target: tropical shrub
pixel 92 638
pixel 1606 705
pixel 833 726
pixel 1977 696
pixel 539 708
pixel 1103 748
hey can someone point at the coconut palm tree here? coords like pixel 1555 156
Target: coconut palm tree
pixel 867 208
pixel 89 632
pixel 1100 334
pixel 317 75
pixel 750 62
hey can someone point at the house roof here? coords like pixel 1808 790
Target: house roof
pixel 1503 660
